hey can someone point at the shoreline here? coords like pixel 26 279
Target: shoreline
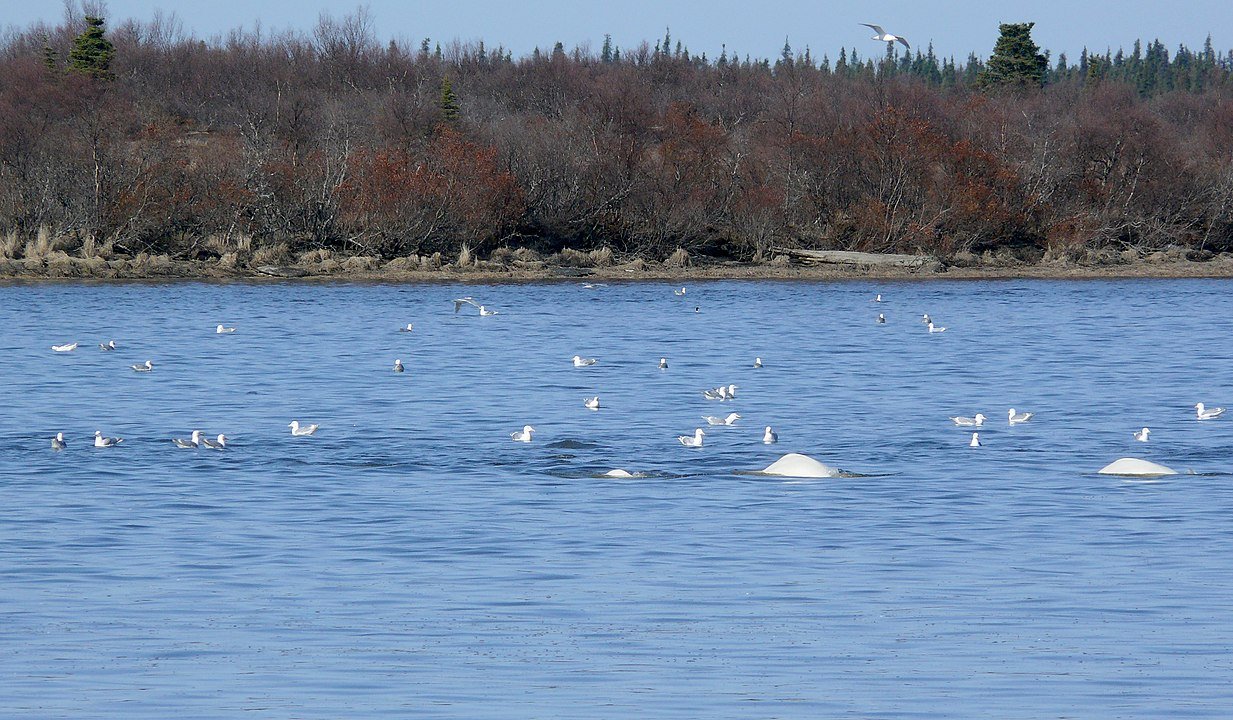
pixel 162 269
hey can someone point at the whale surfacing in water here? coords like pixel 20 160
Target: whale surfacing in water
pixel 621 473
pixel 1135 467
pixel 800 466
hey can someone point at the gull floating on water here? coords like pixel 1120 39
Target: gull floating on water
pixel 769 436
pixel 878 298
pixel 485 312
pixel 663 363
pixel 969 421
pixel 730 419
pixel 1206 413
pixel 148 367
pixel 107 346
pixel 694 440
pixel 591 403
pixel 1015 418
pixel 757 362
pixel 584 362
pixel 881 318
pixel 297 430
pixel 102 442
pixel 221 330
pixel 523 435
pixel 885 36
pixel 57 443
pixel 935 329
pixel 192 443
pixel 408 328
pixel 1141 436
pixel 926 319
pixel 975 440
pixel 464 301
pixel 398 366
pixel 217 444
pixel 64 348
pixel 679 293
pixel 720 393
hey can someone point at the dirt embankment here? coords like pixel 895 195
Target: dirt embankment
pixel 323 266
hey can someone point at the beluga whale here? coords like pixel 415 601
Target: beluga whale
pixel 1134 467
pixel 797 465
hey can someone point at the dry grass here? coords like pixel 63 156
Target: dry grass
pixel 525 254
pixel 678 259
pixel 361 263
pixel 501 256
pixel 465 257
pixel 9 245
pixel 40 247
pixel 276 254
pixel 409 263
pixel 570 257
pixel 314 257
pixel 431 262
pixel 602 257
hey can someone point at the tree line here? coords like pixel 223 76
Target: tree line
pixel 144 139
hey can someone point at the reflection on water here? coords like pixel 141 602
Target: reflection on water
pixel 411 560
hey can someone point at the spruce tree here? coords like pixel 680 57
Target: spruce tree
pixel 92 53
pixel 605 55
pixel 1016 60
pixel 451 113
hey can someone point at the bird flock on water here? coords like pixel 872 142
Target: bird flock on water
pixel 697 439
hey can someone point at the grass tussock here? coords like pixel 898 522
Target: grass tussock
pixel 501 256
pixel 362 263
pixel 40 247
pixel 10 245
pixel 526 254
pixel 315 257
pixel 465 257
pixel 408 263
pixel 678 259
pixel 276 254
pixel 602 257
pixel 431 262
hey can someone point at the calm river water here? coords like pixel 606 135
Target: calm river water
pixel 411 560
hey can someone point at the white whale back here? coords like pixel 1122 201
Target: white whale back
pixel 1135 467
pixel 800 466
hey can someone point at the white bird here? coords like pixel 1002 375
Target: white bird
pixel 591 403
pixel 217 444
pixel 885 36
pixel 64 348
pixel 881 318
pixel 192 443
pixel 926 319
pixel 694 440
pixel 408 328
pixel 57 443
pixel 663 363
pixel 297 430
pixel 220 330
pixel 1141 436
pixel 464 301
pixel 757 362
pixel 107 346
pixel 584 362
pixel 718 393
pixel 102 442
pixel 731 393
pixel 398 366
pixel 730 419
pixel 878 298
pixel 1016 418
pixel 1205 413
pixel 970 421
pixel 679 293
pixel 485 312
pixel 769 436
pixel 975 440
pixel 523 435
pixel 149 366
pixel 935 329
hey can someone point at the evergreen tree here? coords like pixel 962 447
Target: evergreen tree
pixel 450 111
pixel 605 55
pixel 51 58
pixel 1016 61
pixel 92 53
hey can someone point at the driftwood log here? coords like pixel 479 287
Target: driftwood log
pixel 914 263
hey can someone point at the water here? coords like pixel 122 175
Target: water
pixel 410 560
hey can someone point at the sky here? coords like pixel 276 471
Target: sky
pixel 747 27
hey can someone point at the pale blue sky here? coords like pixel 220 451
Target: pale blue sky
pixel 748 26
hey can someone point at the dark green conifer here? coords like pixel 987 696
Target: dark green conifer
pixel 1016 60
pixel 92 53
